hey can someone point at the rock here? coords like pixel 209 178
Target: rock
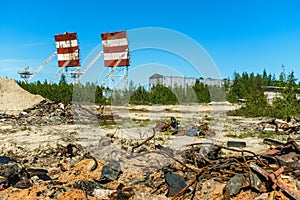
pixel 11 170
pixel 103 193
pixel 3 183
pixel 298 185
pixel 23 184
pixel 263 196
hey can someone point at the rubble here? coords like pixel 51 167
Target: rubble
pixel 201 171
pixel 291 126
pixel 175 128
pixel 48 112
pixel 146 168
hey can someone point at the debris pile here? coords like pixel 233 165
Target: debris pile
pixel 200 171
pixel 46 113
pixel 49 112
pixel 175 128
pixel 289 127
pixel 238 172
pixel 166 126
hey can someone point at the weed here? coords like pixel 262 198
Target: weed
pixel 231 135
pixel 107 123
pixel 207 118
pixel 25 128
pixel 266 134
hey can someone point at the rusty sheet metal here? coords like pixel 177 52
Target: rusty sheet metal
pixel 236 144
pixel 272 142
pixel 240 181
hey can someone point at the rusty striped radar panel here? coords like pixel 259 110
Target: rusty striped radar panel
pixel 67 50
pixel 115 48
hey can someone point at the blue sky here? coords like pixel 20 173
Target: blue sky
pixel 237 35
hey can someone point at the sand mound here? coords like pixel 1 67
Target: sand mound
pixel 14 99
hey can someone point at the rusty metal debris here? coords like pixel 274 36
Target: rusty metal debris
pixel 144 142
pixel 204 161
pixel 173 126
pixel 14 174
pixel 108 174
pixel 283 127
pixel 232 166
pixel 277 183
pixel 174 181
pixel 236 144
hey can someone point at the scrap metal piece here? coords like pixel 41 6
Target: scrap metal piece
pixel 95 165
pixel 36 172
pixel 236 144
pixel 144 142
pixel 89 156
pixel 272 142
pixel 234 185
pixel 259 170
pixel 294 144
pixel 109 174
pixel 174 124
pixel 256 182
pixel 175 183
pixel 240 181
pixel 273 177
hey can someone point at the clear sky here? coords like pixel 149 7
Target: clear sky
pixel 238 35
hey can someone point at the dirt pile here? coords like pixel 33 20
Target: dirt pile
pixel 13 98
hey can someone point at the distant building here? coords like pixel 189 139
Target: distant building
pixel 177 81
pixel 272 92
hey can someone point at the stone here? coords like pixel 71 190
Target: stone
pixel 263 196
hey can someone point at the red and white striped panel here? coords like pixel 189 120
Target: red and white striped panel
pixel 115 48
pixel 67 50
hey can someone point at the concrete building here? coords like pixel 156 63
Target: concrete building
pixel 177 81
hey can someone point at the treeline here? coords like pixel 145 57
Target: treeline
pixel 92 93
pixel 64 92
pixel 197 93
pixel 248 88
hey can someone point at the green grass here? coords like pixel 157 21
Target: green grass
pixel 141 122
pixel 107 123
pixel 124 123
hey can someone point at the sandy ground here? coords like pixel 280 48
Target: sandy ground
pixel 135 124
pixel 140 120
